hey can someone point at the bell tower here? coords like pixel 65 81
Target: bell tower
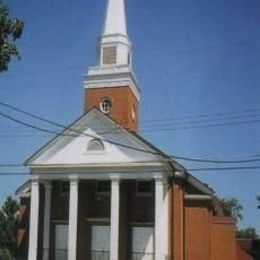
pixel 111 86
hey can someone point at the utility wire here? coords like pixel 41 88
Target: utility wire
pixel 254 167
pixel 219 114
pixel 162 120
pixel 106 140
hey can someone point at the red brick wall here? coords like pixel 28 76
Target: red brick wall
pixel 242 255
pixel 197 231
pixel 123 101
pixel 178 227
pixel 223 238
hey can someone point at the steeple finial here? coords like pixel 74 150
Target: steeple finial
pixel 115 22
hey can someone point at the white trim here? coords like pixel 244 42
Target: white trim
pixel 99 176
pixel 34 219
pixel 197 197
pixel 73 220
pixel 104 165
pixel 47 220
pixel 115 205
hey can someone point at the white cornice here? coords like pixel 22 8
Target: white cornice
pixel 112 76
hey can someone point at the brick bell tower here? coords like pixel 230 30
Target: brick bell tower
pixel 111 86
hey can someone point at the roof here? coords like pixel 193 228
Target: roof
pixel 149 148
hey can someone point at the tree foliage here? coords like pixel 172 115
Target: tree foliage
pixel 231 207
pixel 8 228
pixel 10 31
pixel 249 233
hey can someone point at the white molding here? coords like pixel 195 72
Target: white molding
pixel 113 83
pixel 100 176
pixel 197 197
pixel 34 220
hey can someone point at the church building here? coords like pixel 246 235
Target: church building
pixel 99 191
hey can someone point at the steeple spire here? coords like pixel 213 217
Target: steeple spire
pixel 115 22
pixel 115 46
pixel 111 86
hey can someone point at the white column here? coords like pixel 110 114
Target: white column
pixel 47 221
pixel 159 234
pixel 115 206
pixel 73 220
pixel 166 221
pixel 34 219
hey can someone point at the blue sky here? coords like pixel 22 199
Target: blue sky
pixel 191 58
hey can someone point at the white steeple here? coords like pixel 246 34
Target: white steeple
pixel 115 46
pixel 115 59
pixel 115 18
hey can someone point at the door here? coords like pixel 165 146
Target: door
pixel 142 243
pixel 100 243
pixel 61 241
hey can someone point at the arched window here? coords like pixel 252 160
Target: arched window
pixel 95 145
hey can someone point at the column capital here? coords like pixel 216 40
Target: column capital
pixel 73 181
pixel 47 185
pixel 35 181
pixel 115 179
pixel 160 181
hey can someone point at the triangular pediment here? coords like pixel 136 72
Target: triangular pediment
pixel 72 146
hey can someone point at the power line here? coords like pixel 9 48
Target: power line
pixel 196 123
pixel 204 126
pixel 240 168
pixel 224 168
pixel 152 121
pixel 106 140
pixel 219 114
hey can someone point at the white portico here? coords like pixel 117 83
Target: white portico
pixel 83 155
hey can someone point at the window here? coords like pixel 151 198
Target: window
pixel 144 187
pixel 95 145
pixel 105 105
pixel 103 186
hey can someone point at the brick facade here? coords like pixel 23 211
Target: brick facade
pixel 124 104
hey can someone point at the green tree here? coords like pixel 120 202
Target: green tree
pixel 247 233
pixel 10 31
pixel 231 207
pixel 8 227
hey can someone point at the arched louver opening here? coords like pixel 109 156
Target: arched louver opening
pixel 95 145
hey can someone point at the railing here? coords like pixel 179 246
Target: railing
pixel 142 256
pixel 100 255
